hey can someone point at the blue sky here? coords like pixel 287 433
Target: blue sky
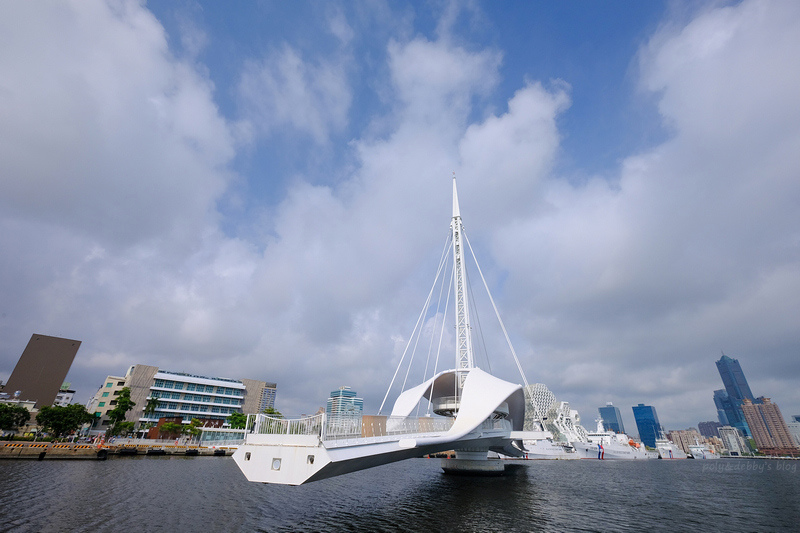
pixel 261 189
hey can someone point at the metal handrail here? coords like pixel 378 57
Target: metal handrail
pixel 269 425
pixel 348 428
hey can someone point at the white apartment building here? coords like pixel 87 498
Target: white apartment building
pixel 181 395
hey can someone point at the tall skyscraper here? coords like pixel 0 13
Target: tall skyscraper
pixel 733 378
pixel 612 418
pixel 736 391
pixel 769 428
pixel 344 411
pixel 42 368
pixel 647 424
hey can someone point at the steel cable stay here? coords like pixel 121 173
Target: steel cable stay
pixel 497 314
pixel 415 331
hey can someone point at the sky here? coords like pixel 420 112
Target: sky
pixel 262 190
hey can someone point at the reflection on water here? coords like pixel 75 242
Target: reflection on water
pixel 210 494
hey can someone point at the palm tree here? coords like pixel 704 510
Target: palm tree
pixel 149 410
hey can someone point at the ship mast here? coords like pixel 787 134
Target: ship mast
pixel 464 359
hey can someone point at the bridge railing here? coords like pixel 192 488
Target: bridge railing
pixel 269 425
pixel 366 427
pixel 383 427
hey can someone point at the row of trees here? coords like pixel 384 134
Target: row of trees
pixel 13 416
pixel 60 421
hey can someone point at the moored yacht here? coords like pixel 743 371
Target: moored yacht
pixel 668 450
pixel 603 444
pixel 702 451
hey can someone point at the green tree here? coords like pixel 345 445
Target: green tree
pixel 13 416
pixel 271 411
pixel 124 404
pixel 123 428
pixel 237 420
pixel 193 429
pixel 149 410
pixel 151 406
pixel 60 421
pixel 170 430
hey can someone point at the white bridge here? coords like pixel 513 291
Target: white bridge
pixel 298 451
pixel 475 413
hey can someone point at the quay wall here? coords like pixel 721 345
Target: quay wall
pixel 47 450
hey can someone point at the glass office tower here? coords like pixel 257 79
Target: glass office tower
pixel 736 391
pixel 612 418
pixel 647 423
pixel 733 378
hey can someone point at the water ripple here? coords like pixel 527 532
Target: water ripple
pixel 170 494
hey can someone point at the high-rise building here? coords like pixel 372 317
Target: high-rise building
pixel 722 402
pixel 104 400
pixel 267 397
pixel 709 429
pixel 733 378
pixel 612 418
pixel 736 391
pixel 181 395
pixel 41 369
pixel 344 411
pixel 769 428
pixel 647 423
pixel 684 438
pixel 733 441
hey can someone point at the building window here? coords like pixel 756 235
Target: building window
pixel 120 383
pixel 190 386
pixel 101 404
pixel 112 402
pixel 109 385
pixel 105 395
pixel 178 385
pixel 98 414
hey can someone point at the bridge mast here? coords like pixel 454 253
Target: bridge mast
pixel 464 359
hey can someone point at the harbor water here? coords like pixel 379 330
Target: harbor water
pixel 209 494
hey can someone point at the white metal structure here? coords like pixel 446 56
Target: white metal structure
pixel 476 413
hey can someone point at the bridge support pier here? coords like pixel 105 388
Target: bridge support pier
pixel 474 463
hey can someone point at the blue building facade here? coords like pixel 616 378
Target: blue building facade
pixel 647 423
pixel 612 418
pixel 729 401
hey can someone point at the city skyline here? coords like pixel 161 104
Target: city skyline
pixel 263 190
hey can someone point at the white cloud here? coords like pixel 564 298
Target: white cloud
pixel 112 156
pixel 673 261
pixel 101 129
pixel 284 90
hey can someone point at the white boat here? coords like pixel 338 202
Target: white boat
pixel 668 450
pixel 602 444
pixel 547 449
pixel 702 451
